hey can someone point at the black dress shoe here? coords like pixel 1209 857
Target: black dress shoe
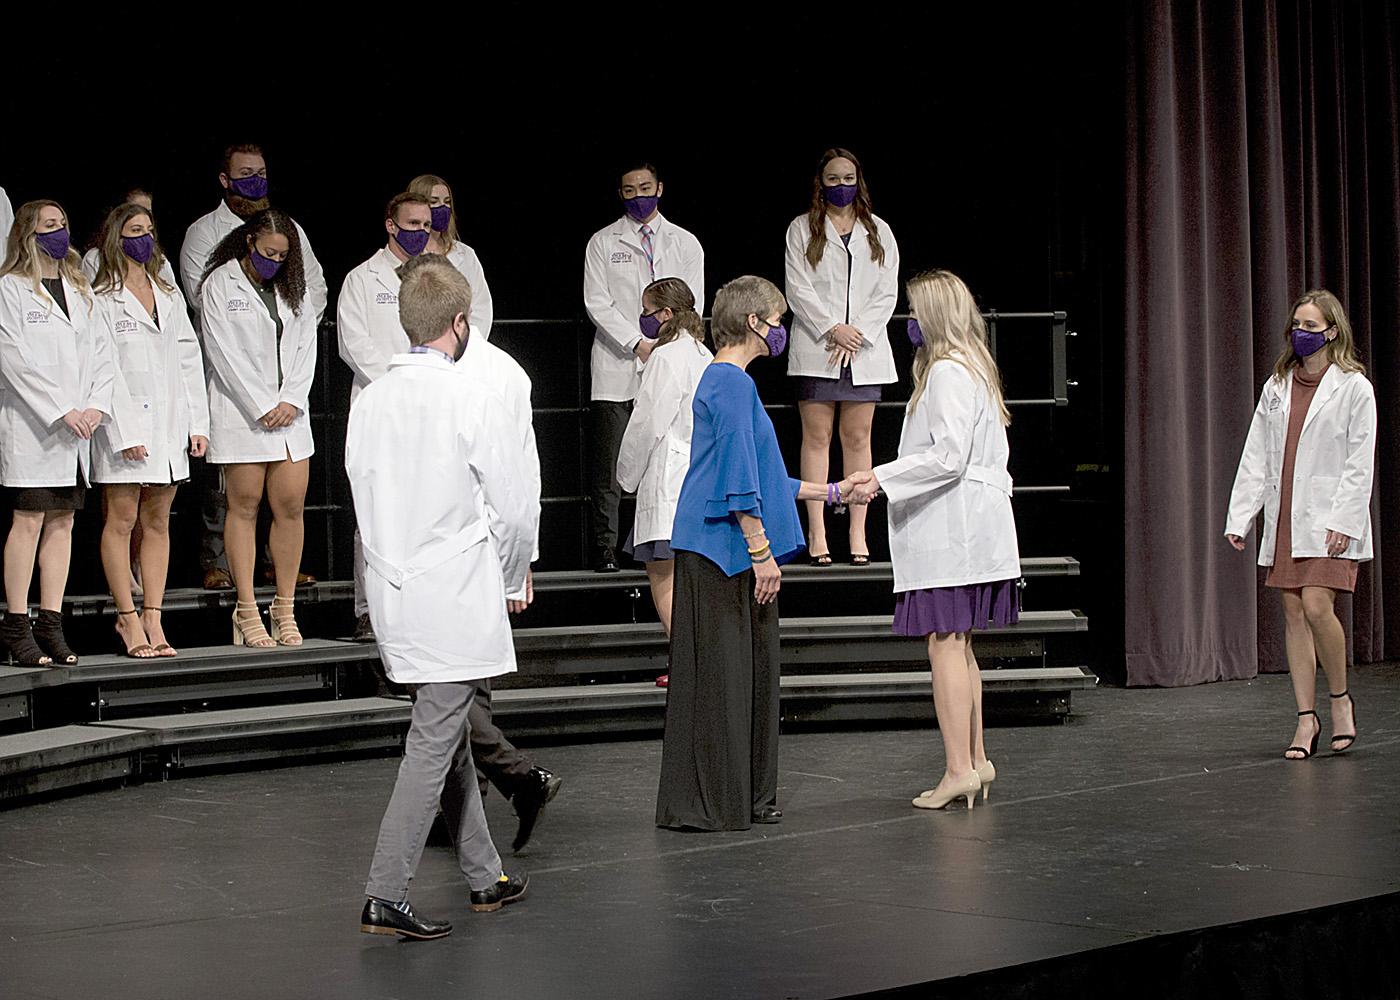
pixel 768 814
pixel 539 790
pixel 605 561
pixel 508 889
pixel 380 917
pixel 364 631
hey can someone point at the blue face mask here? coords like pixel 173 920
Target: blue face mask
pixel 651 325
pixel 916 335
pixel 139 248
pixel 265 267
pixel 54 243
pixel 442 215
pixel 776 338
pixel 413 241
pixel 641 208
pixel 1307 342
pixel 253 188
pixel 839 195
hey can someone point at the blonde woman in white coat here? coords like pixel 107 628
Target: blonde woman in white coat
pixel 952 533
pixel 842 282
pixel 655 451
pixel 57 388
pixel 260 348
pixel 445 241
pixel 1308 463
pixel 160 417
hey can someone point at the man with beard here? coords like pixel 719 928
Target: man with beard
pixel 244 179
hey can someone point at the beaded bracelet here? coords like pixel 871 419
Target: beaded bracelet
pixel 753 534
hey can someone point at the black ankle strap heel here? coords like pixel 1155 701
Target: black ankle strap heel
pixel 1343 741
pixel 1311 748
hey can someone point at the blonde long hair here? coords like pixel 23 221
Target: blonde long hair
pixel 423 184
pixel 112 259
pixel 1341 349
pixel 22 250
pixel 953 329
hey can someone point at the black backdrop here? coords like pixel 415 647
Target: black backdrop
pixel 990 144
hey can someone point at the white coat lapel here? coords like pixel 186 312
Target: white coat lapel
pixel 134 310
pixel 385 272
pixel 1331 382
pixel 43 300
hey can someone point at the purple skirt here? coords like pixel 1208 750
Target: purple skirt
pixel 835 390
pixel 946 610
pixel 657 551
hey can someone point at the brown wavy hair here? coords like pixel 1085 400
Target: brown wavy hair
pixel 1341 349
pixel 816 214
pixel 675 295
pixel 112 260
pixel 290 281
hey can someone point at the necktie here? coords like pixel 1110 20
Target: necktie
pixel 649 249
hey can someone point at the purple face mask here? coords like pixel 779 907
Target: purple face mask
pixel 916 335
pixel 839 195
pixel 54 243
pixel 413 241
pixel 1307 342
pixel 641 208
pixel 651 325
pixel 776 339
pixel 253 188
pixel 139 248
pixel 265 267
pixel 442 215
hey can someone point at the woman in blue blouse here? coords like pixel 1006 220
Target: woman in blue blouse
pixel 736 523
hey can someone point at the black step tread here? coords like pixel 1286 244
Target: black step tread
pixel 242 721
pixel 64 745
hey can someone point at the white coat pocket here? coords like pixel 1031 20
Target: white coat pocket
pixel 42 347
pixel 1322 491
pixel 132 355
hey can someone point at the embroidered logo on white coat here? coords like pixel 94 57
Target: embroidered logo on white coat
pixel 386 299
pixel 126 326
pixel 622 257
pixel 238 305
pixel 36 316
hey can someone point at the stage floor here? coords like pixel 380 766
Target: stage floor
pixel 1150 812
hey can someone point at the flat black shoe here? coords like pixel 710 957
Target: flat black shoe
pixel 48 633
pixel 768 814
pixel 18 638
pixel 1311 748
pixel 364 631
pixel 509 889
pixel 379 917
pixel 539 790
pixel 605 561
pixel 1343 741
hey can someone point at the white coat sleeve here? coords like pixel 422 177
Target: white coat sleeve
pixel 194 255
pixel 693 274
pixel 1247 495
pixel 801 294
pixel 525 418
pixel 90 265
pixel 225 351
pixel 121 427
pixel 192 382
pixel 875 312
pixel 358 349
pixel 317 293
pixel 97 393
pixel 504 476
pixel 44 397
pixel 1352 503
pixel 483 309
pixel 300 371
pixel 950 400
pixel 623 331
pixel 7 215
pixel 658 401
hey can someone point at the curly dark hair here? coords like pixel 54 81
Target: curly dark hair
pixel 290 281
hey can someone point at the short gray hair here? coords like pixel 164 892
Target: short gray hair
pixel 736 302
pixel 431 294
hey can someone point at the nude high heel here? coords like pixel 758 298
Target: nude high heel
pixel 248 628
pixel 284 622
pixel 988 774
pixel 967 788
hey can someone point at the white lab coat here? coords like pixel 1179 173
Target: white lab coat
pixel 614 274
pixel 7 218
pixel 367 320
pixel 241 352
pixel 1332 471
pixel 427 452
pixel 158 393
pixel 91 261
pixel 498 372
pixel 465 260
pixel 208 231
pixel 655 452
pixel 49 364
pixel 818 298
pixel 949 492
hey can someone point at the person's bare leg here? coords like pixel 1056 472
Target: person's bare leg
pixel 817 421
pixel 974 682
pixel 121 502
pixel 244 486
pixel 1302 666
pixel 55 553
pixel 21 548
pixel 1330 640
pixel 952 701
pixel 662 575
pixel 856 419
pixel 154 522
pixel 286 495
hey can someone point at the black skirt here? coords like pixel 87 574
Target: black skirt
pixel 719 760
pixel 43 499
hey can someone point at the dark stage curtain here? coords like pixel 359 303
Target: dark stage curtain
pixel 1261 161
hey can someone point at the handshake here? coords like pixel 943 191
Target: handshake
pixel 859 488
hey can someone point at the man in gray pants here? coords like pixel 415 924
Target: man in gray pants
pixel 448 513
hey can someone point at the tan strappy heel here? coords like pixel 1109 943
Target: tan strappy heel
pixel 248 629
pixel 284 622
